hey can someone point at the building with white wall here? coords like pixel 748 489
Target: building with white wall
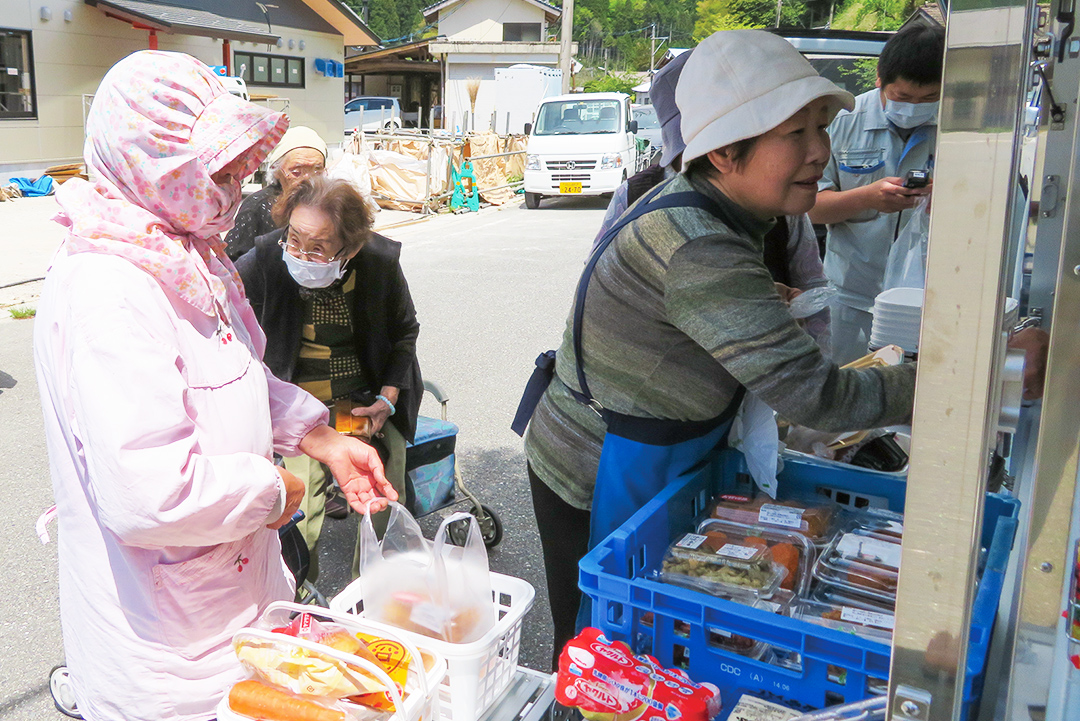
pixel 54 53
pixel 478 36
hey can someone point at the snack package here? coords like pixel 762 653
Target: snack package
pixel 605 681
pixel 305 671
pixel 789 548
pixel 814 517
pixel 386 653
pixel 729 562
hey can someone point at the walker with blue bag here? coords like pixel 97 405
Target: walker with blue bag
pixel 434 479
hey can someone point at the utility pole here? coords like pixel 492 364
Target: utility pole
pixel 652 52
pixel 566 43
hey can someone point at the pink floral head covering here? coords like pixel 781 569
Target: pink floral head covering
pixel 161 127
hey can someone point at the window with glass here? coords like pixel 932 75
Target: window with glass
pixel 576 117
pixel 17 95
pixel 521 32
pixel 271 70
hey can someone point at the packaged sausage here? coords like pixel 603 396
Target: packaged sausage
pixel 862 564
pixel 814 517
pixel 874 625
pixel 605 681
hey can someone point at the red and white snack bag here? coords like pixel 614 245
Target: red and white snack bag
pixel 605 681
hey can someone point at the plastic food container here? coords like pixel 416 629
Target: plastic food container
pixel 729 565
pixel 880 523
pixel 873 625
pixel 814 518
pixel 790 548
pixel 780 603
pixel 862 564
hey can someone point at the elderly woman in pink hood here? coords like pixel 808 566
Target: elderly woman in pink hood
pixel 160 417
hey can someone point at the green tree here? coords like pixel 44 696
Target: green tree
pixel 874 14
pixel 611 83
pixel 714 15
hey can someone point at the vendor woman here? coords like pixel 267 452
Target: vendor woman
pixel 681 315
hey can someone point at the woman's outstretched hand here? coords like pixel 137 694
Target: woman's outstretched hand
pixel 355 465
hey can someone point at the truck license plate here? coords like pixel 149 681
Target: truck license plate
pixel 569 187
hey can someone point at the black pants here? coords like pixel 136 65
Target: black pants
pixel 564 536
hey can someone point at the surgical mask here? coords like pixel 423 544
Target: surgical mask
pixel 310 274
pixel 910 115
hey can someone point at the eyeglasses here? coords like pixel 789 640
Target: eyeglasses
pixel 314 256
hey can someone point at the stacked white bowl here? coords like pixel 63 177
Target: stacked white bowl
pixel 897 315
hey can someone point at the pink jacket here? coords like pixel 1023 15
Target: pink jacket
pixel 160 425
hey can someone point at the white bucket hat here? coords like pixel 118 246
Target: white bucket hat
pixel 739 84
pixel 299 136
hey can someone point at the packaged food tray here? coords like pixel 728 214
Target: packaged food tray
pixel 479 671
pixel 835 667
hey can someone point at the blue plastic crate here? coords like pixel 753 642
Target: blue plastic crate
pixel 834 667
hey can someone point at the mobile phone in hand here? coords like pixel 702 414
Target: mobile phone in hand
pixel 917 179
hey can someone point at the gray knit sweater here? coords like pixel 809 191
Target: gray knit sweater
pixel 680 311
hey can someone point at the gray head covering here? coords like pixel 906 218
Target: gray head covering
pixel 662 93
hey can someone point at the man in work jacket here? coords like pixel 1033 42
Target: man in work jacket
pixel 861 196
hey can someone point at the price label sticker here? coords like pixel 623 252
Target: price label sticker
pixel 780 516
pixel 868 618
pixel 691 541
pixel 863 548
pixel 743 553
pixel 430 616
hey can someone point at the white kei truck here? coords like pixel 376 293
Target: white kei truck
pixel 581 144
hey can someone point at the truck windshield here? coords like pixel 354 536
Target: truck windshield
pixel 579 117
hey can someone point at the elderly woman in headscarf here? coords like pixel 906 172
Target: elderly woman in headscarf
pixel 161 420
pixel 300 155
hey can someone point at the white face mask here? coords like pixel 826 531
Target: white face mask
pixel 910 115
pixel 311 274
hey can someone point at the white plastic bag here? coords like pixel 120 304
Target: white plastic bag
pixel 755 434
pixel 907 258
pixel 431 588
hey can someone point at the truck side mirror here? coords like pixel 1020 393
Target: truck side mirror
pixel 528 128
pixel 632 126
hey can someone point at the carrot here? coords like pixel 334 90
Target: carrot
pixel 787 556
pixel 259 701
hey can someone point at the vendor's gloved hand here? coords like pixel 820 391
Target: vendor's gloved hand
pixel 1035 342
pixel 355 465
pixel 294 494
pixel 889 195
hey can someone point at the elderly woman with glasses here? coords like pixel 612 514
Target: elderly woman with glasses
pixel 340 323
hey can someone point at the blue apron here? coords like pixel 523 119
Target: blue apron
pixel 640 456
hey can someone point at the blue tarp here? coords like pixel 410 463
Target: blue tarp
pixel 34 188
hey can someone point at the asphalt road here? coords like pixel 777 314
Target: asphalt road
pixel 491 290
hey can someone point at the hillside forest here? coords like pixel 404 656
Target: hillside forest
pixel 616 36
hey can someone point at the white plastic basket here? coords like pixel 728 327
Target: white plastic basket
pixel 421 702
pixel 479 671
